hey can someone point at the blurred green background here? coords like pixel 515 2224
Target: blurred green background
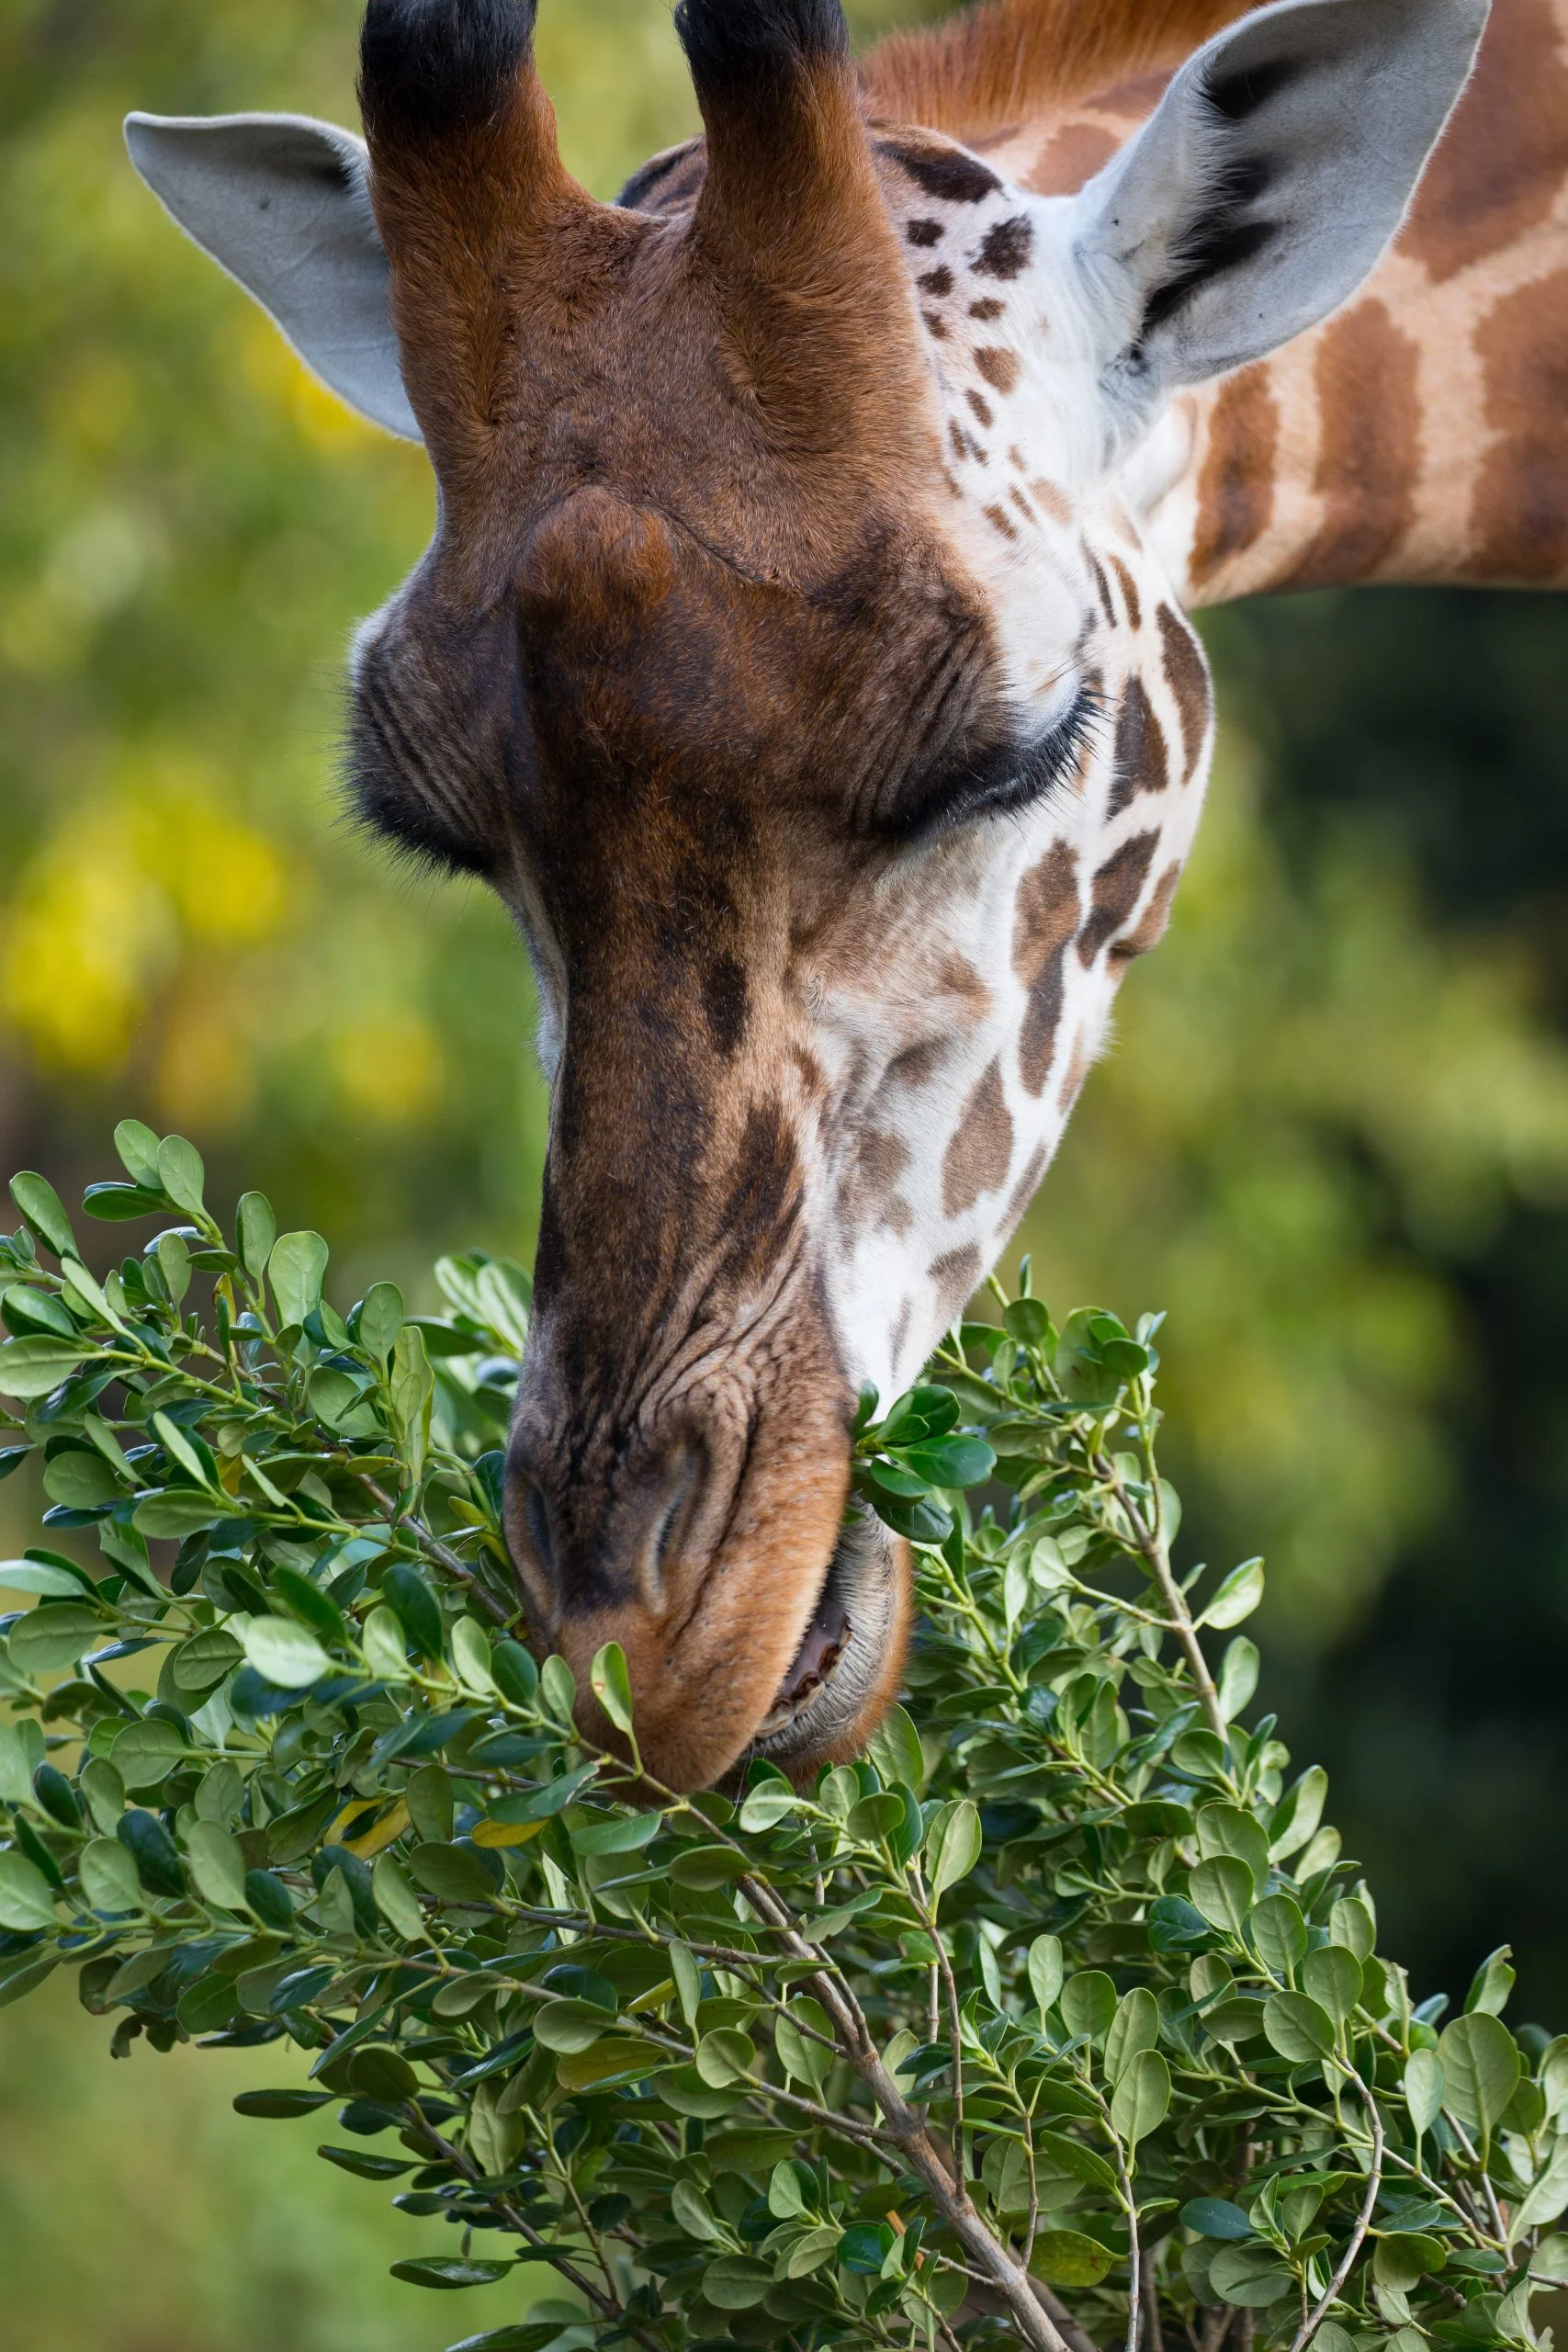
pixel 1332 1138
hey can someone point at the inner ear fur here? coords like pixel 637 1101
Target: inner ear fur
pixel 1266 185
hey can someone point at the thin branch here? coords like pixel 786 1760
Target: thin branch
pixel 1330 2294
pixel 907 2131
pixel 524 2229
pixel 1150 1544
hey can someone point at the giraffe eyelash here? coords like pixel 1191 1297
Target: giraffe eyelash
pixel 1011 777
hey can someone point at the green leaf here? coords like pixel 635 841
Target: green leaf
pixel 27 1900
pixel 378 2071
pixel 452 1873
pixel 415 1607
pixel 767 1805
pixel 1227 1829
pixel 1135 2027
pixel 1405 2257
pixel 725 2056
pixel 280 2106
pixel 44 1212
pixel 1546 2199
pixel 1069 2258
pixel 1251 2275
pixel 1088 2003
pixel 1350 1923
pixel 176 1513
pixel 1492 1984
pixel 570 2025
pixel 32 1367
pixel 951 1461
pixel 285 1652
pixel 1215 2217
pixel 138 1148
pixel 257 1230
pixel 53 1636
pixel 737 2281
pixel 1333 1976
pixel 1025 1319
pixel 1279 1936
pixel 181 1174
pixel 1236 1596
pixel 1046 1970
pixel 1141 2100
pixel 895 1750
pixel 297 1268
pixel 40 1576
pixel 396 1900
pixel 1424 2088
pixel 380 1319
pixel 953 1846
pixel 610 1685
pixel 449 2271
pixel 1237 1677
pixel 1480 2069
pixel 109 1876
pixel 1222 1889
pixel 618 1834
pixel 217 1864
pixel 1298 2027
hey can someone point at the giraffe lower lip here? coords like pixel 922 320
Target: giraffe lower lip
pixel 822 1648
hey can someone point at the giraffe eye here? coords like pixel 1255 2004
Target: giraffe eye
pixel 997 778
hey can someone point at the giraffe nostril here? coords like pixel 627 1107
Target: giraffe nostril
pixel 680 1477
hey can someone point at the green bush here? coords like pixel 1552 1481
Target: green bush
pixel 1059 2019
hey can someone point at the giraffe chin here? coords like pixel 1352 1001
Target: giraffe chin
pixel 845 1674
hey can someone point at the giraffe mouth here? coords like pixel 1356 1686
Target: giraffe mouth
pixel 843 1652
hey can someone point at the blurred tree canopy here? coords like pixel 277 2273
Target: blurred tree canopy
pixel 1332 1138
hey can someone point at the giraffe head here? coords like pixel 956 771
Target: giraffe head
pixel 790 659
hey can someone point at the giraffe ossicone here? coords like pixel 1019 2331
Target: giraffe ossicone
pixel 800 657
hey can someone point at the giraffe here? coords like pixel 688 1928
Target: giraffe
pixel 802 654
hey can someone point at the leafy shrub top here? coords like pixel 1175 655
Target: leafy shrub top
pixel 1060 2018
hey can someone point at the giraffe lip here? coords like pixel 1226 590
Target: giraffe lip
pixel 840 1656
pixel 822 1648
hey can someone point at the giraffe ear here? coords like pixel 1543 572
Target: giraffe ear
pixel 1266 186
pixel 283 204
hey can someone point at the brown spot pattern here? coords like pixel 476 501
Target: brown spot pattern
pixel 1053 500
pixel 999 520
pixel 1045 921
pixel 998 368
pixel 1187 675
pixel 1005 247
pixel 1129 588
pixel 979 1151
pixel 937 281
pixel 1068 158
pixel 1139 764
pixel 1024 1189
pixel 1117 886
pixel 924 233
pixel 1236 485
pixel 954 1273
pixel 1500 165
pixel 980 406
pixel 868 1193
pixel 1519 509
pixel 1152 922
pixel 1369 452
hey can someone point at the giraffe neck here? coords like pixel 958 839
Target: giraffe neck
pixel 1420 434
